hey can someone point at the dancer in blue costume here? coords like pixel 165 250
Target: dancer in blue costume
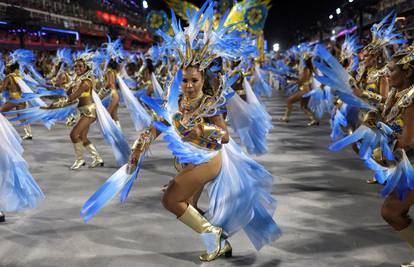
pixel 18 189
pixel 385 138
pixel 238 187
pixel 14 85
pixel 305 84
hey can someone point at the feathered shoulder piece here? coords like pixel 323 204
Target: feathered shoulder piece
pixel 22 57
pixel 383 34
pixel 201 49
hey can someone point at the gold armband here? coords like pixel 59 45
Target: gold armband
pixel 144 140
pixel 211 131
pixel 372 96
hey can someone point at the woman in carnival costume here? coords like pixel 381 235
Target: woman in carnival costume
pixel 385 138
pixel 113 54
pixel 345 118
pixel 63 62
pixel 305 85
pixel 370 83
pixel 239 188
pixel 398 114
pixel 82 97
pixel 81 90
pixel 14 85
pixel 18 189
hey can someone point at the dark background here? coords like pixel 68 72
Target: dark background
pixel 288 20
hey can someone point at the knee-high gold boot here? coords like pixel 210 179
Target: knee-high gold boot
pixel 79 162
pixel 210 234
pixel 27 132
pixel 96 158
pixel 286 117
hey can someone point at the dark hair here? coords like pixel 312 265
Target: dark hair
pixel 113 64
pixel 149 64
pixel 309 65
pixel 13 67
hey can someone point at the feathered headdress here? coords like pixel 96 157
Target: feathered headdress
pixel 201 49
pixel 350 49
pixel 114 50
pixel 383 34
pixel 64 55
pixel 84 55
pixel 21 56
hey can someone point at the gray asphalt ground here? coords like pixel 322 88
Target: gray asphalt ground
pixel 328 214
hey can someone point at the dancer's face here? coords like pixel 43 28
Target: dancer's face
pixel 192 84
pixel 79 67
pixel 369 59
pixel 397 77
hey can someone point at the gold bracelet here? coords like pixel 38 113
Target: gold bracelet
pixel 144 139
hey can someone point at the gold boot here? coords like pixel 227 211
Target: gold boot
pixel 96 158
pixel 193 219
pixel 225 250
pixel 79 162
pixel 286 117
pixel 27 132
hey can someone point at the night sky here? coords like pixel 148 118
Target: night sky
pixel 285 17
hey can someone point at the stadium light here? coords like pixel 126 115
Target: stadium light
pixel 145 4
pixel 350 1
pixel 331 16
pixel 338 11
pixel 333 31
pixel 276 47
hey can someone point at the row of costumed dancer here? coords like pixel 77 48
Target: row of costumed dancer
pixel 189 88
pixel 367 92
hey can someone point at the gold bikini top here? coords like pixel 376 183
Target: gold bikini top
pixel 86 77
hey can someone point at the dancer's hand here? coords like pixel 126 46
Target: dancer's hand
pixel 194 133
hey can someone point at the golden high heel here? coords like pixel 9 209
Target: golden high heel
pixel 193 219
pixel 79 162
pixel 225 250
pixel 96 158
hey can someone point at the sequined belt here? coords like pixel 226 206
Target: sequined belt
pixel 88 110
